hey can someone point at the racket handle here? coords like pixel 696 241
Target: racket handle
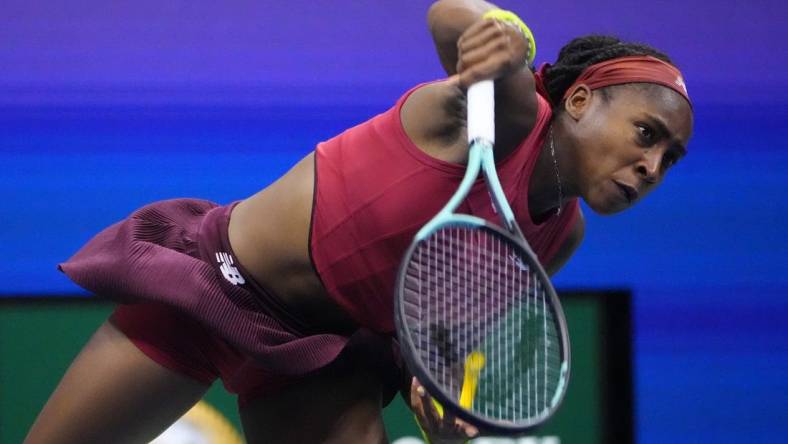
pixel 481 112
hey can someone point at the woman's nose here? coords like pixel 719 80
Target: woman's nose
pixel 649 167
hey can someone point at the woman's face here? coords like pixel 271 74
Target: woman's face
pixel 626 138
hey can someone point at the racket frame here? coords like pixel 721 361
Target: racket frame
pixel 480 159
pixel 419 370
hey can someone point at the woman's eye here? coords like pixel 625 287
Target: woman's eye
pixel 646 132
pixel 669 160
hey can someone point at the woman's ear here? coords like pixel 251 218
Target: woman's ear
pixel 578 101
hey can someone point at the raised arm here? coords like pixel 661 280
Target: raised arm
pixel 447 21
pixel 470 49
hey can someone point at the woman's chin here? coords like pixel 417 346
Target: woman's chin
pixel 605 207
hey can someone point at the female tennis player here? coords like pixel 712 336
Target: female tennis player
pixel 287 295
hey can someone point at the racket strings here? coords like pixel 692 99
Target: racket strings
pixel 468 290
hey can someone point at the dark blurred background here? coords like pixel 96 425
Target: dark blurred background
pixel 107 106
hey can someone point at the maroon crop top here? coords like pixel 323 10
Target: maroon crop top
pixel 374 190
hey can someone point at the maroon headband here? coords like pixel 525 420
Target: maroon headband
pixel 634 69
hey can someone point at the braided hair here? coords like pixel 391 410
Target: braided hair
pixel 583 52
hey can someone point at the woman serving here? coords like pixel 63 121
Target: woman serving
pixel 287 295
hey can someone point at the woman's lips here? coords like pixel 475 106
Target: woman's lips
pixel 630 193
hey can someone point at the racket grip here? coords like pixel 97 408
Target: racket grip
pixel 481 112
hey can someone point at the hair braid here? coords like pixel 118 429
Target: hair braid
pixel 583 52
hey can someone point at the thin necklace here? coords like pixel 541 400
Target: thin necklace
pixel 557 174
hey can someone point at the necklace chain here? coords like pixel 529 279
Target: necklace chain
pixel 557 174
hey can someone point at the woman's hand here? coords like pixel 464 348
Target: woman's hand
pixel 440 429
pixel 490 49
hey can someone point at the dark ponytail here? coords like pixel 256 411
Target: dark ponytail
pixel 583 52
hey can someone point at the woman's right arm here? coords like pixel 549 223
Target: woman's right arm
pixel 471 49
pixel 447 21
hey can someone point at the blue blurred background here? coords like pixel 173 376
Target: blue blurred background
pixel 106 106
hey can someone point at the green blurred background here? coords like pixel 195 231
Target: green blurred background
pixel 40 336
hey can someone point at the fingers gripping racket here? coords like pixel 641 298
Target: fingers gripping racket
pixel 477 318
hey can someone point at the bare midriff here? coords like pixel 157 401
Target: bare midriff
pixel 269 233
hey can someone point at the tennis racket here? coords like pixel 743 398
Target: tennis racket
pixel 478 321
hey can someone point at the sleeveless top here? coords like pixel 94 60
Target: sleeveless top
pixel 374 189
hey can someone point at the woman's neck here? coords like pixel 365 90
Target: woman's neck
pixel 548 187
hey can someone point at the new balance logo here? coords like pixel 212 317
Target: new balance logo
pixel 228 271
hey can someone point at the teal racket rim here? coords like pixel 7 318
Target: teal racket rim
pixel 410 351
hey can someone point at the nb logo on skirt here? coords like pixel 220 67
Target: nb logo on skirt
pixel 229 272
